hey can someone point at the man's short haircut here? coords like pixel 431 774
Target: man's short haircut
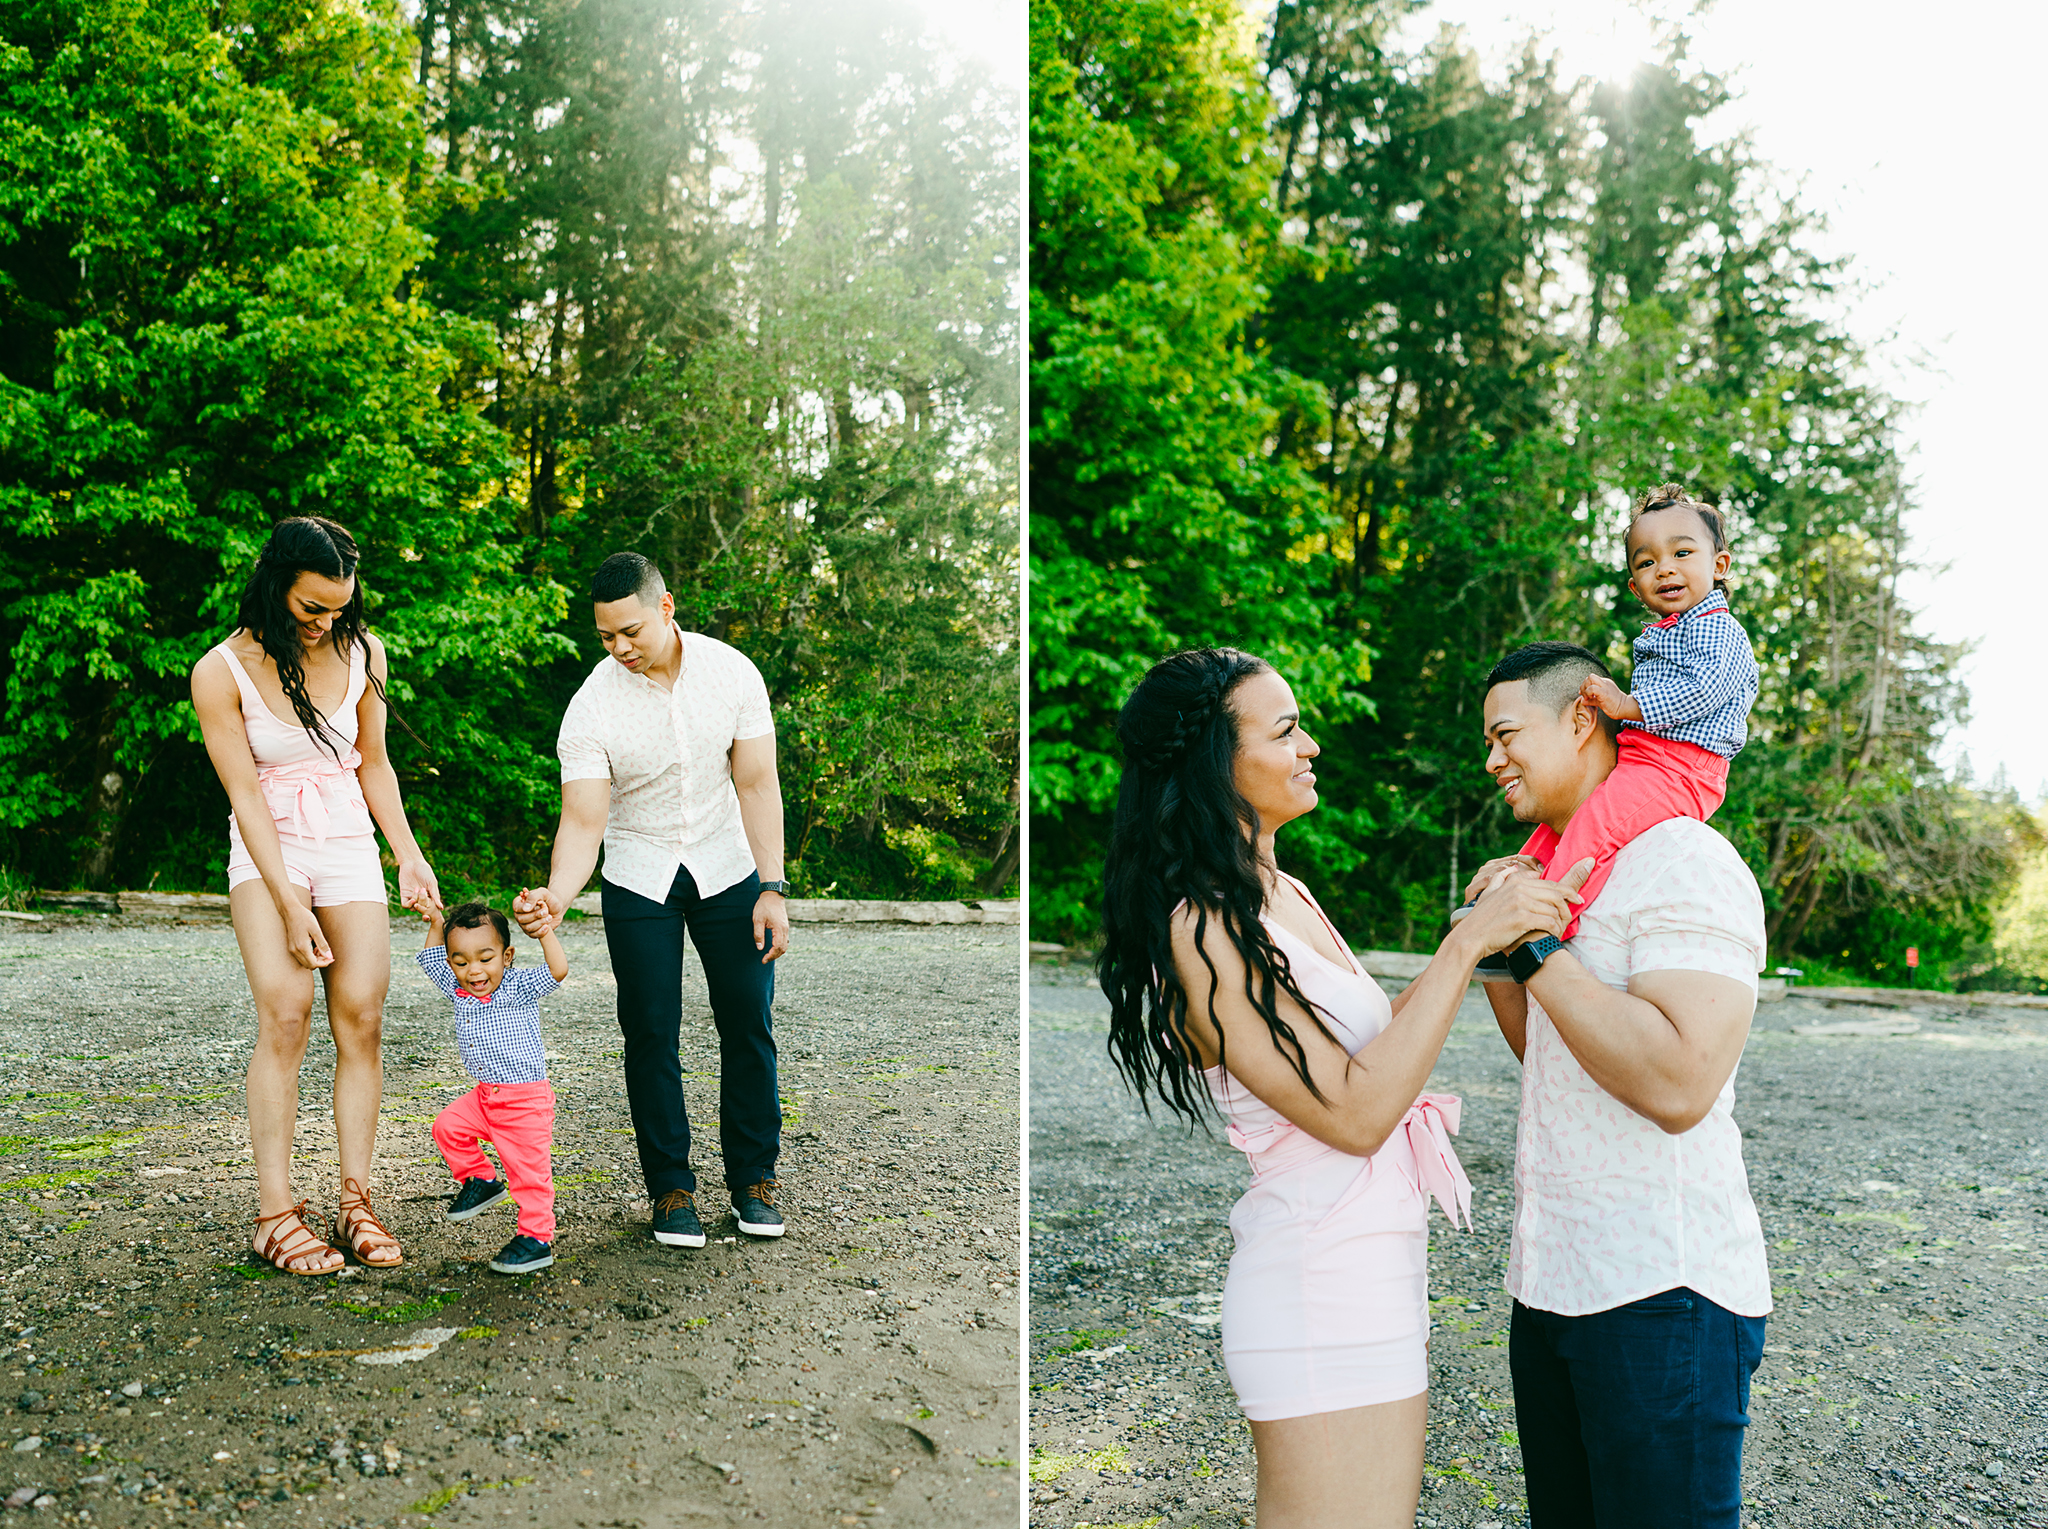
pixel 1555 672
pixel 627 573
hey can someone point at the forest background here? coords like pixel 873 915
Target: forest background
pixel 504 288
pixel 1347 354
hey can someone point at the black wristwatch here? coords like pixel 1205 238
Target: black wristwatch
pixel 776 886
pixel 1524 961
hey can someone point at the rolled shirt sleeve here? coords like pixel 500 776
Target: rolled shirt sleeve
pixel 580 744
pixel 754 718
pixel 531 982
pixel 1710 919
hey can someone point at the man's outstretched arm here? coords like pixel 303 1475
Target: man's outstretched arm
pixel 586 805
pixel 1665 1048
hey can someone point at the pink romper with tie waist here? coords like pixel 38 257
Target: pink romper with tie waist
pixel 323 823
pixel 1326 1305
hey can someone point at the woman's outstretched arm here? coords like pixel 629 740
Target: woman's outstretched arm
pixel 417 887
pixel 1363 1097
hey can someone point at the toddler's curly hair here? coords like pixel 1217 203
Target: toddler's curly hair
pixel 1675 496
pixel 476 915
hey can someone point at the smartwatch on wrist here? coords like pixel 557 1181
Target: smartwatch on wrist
pixel 776 886
pixel 1524 961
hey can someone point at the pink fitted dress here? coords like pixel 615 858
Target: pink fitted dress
pixel 1326 1305
pixel 315 798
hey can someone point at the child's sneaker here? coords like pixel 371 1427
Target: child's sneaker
pixel 523 1255
pixel 474 1196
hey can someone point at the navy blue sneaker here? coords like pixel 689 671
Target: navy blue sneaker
pixel 675 1220
pixel 754 1209
pixel 474 1196
pixel 523 1255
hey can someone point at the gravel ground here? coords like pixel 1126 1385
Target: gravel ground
pixel 864 1368
pixel 1901 1181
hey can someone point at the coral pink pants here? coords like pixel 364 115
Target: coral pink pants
pixel 1655 780
pixel 519 1120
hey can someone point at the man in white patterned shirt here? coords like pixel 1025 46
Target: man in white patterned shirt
pixel 1637 1263
pixel 668 763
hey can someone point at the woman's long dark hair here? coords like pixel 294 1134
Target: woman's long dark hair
pixel 303 544
pixel 1184 833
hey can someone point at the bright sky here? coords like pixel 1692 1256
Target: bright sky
pixel 1919 138
pixel 989 30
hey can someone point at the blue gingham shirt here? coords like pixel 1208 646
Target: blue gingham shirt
pixel 500 1040
pixel 1696 679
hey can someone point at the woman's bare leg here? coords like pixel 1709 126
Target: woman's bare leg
pixel 1356 1469
pixel 360 935
pixel 283 991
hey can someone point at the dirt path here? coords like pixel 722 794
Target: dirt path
pixel 863 1368
pixel 1902 1183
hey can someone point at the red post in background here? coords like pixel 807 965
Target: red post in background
pixel 1912 966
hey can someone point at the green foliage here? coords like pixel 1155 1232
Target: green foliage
pixel 477 289
pixel 2020 941
pixel 1160 519
pixel 1486 315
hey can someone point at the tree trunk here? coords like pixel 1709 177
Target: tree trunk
pixel 845 427
pixel 543 492
pixel 108 806
pixel 1780 842
pixel 1368 556
pixel 1008 850
pixel 1812 885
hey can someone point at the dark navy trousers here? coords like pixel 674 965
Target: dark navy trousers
pixel 1633 1418
pixel 646 943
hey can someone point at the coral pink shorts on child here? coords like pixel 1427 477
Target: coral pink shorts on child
pixel 519 1120
pixel 1655 779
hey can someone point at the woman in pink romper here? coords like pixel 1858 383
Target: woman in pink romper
pixel 1229 988
pixel 292 708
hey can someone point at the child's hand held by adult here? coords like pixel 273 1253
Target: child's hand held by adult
pixel 536 911
pixel 417 887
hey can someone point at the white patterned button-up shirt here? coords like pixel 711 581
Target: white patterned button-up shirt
pixel 1608 1207
pixel 667 755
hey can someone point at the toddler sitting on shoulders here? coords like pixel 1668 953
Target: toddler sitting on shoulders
pixel 1695 681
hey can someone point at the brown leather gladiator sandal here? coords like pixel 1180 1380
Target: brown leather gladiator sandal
pixel 280 1247
pixel 356 1217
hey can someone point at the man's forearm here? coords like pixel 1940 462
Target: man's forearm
pixel 1510 1004
pixel 575 857
pixel 761 816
